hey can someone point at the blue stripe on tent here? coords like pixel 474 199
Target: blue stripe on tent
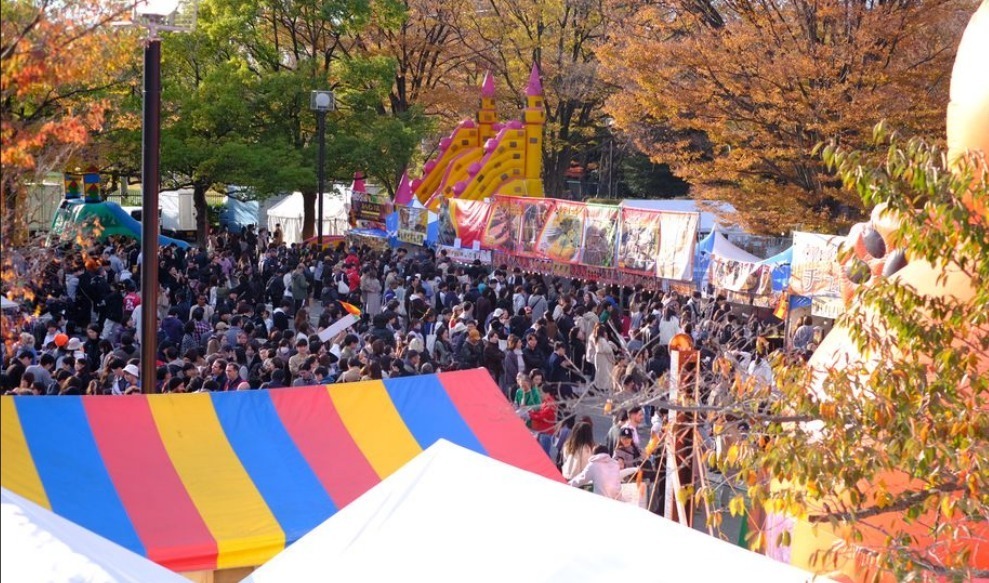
pixel 281 474
pixel 71 467
pixel 429 413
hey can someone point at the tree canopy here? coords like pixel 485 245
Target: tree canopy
pixel 734 95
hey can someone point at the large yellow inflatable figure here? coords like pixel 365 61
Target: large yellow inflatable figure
pixel 483 158
pixel 967 131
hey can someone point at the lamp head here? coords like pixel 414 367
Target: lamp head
pixel 321 101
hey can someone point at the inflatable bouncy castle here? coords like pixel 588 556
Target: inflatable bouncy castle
pixel 484 157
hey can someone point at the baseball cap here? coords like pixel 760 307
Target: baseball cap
pixel 132 369
pixel 61 340
pixel 74 344
pixel 627 432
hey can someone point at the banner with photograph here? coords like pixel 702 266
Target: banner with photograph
pixel 600 234
pixel 368 211
pixel 535 214
pixel 465 256
pixel 677 237
pixel 563 234
pixel 412 224
pixel 503 226
pixel 815 271
pixel 638 244
pixel 740 276
pixel 462 219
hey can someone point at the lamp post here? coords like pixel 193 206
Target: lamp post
pixel 320 102
pixel 154 16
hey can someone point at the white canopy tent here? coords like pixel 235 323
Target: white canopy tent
pixel 727 250
pixel 288 213
pixel 40 546
pixel 8 304
pixel 455 515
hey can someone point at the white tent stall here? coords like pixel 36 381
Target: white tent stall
pixel 455 515
pixel 288 212
pixel 40 546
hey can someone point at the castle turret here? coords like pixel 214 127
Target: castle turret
pixel 486 116
pixel 535 118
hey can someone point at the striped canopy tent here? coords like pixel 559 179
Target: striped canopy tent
pixel 219 480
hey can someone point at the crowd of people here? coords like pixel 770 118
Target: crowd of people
pixel 245 312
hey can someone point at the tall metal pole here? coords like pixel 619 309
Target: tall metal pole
pixel 149 215
pixel 321 125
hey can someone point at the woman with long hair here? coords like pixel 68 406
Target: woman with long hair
pixel 669 326
pixel 577 450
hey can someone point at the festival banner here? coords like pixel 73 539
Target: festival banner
pixel 465 256
pixel 638 245
pixel 736 276
pixel 535 214
pixel 412 223
pixel 815 271
pixel 677 237
pixel 462 219
pixel 600 234
pixel 503 225
pixel 368 211
pixel 563 234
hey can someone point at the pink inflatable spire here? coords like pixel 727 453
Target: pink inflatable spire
pixel 358 185
pixel 535 87
pixel 488 86
pixel 403 196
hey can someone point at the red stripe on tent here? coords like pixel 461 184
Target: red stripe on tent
pixel 164 516
pixel 315 426
pixel 494 422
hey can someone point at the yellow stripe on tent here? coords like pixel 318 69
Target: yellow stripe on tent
pixel 372 420
pixel 236 514
pixel 17 470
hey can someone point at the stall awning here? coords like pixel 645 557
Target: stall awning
pixel 213 480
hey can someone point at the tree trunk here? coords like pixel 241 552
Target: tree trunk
pixel 308 214
pixel 202 214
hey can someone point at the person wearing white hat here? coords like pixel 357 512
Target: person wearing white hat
pixel 132 375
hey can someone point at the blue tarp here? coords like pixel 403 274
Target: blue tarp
pixel 780 264
pixel 237 214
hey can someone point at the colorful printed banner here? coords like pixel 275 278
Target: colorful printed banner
pixel 740 276
pixel 462 219
pixel 504 223
pixel 215 480
pixel 535 214
pixel 677 238
pixel 465 256
pixel 815 271
pixel 604 275
pixel 563 235
pixel 600 235
pixel 638 246
pixel 367 211
pixel 412 223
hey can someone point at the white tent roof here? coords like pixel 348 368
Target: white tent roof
pixel 454 515
pixel 288 212
pixel 688 205
pixel 725 249
pixel 39 545
pixel 8 304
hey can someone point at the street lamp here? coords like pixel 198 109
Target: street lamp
pixel 154 16
pixel 321 102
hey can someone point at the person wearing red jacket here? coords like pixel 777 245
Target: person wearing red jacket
pixel 542 419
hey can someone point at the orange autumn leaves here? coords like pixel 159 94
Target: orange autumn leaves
pixel 735 95
pixel 58 67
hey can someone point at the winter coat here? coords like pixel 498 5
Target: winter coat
pixel 604 473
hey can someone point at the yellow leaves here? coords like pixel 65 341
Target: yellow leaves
pixel 737 506
pixel 947 507
pixel 732 456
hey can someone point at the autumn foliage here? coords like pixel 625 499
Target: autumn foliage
pixel 735 94
pixel 58 59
